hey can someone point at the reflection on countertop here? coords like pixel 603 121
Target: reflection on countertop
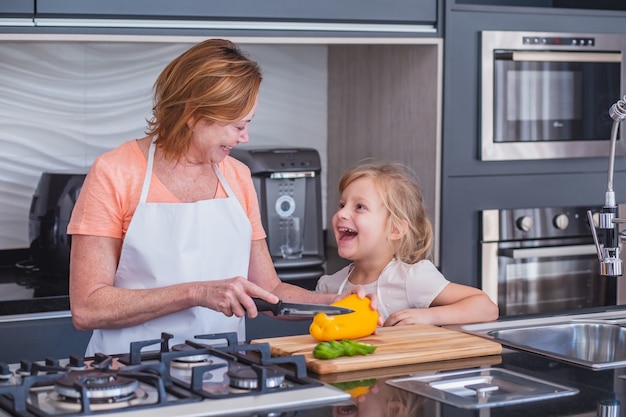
pixel 374 396
pixel 24 290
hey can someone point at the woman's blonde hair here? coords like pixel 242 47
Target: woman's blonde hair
pixel 214 80
pixel 401 194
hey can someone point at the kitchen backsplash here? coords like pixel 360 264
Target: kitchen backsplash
pixel 65 102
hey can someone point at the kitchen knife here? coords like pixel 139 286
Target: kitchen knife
pixel 299 310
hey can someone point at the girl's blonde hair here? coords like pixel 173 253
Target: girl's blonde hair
pixel 412 405
pixel 401 194
pixel 214 80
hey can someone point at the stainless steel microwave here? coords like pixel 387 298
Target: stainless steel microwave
pixel 547 95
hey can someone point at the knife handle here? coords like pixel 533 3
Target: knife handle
pixel 263 305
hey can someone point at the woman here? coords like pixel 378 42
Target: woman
pixel 166 233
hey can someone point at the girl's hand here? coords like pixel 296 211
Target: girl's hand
pixel 360 292
pixel 408 316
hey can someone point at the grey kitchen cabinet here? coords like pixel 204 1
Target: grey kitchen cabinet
pixel 548 4
pixel 370 11
pixel 17 8
pixel 470 185
pixel 39 338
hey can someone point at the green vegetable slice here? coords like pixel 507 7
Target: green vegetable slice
pixel 348 385
pixel 335 349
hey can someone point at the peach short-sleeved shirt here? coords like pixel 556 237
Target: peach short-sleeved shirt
pixel 112 188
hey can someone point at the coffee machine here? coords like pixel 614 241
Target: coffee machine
pixel 288 186
pixel 50 210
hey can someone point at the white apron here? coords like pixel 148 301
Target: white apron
pixel 171 243
pixel 381 306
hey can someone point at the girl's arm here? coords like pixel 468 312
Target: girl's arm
pixel 456 304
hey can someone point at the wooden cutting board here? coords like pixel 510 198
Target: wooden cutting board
pixel 407 370
pixel 399 345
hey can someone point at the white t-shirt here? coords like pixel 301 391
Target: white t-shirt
pixel 399 286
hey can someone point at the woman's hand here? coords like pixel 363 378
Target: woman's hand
pixel 232 296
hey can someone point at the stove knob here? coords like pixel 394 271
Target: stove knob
pixel 561 221
pixel 524 223
pixel 76 363
pixel 25 367
pixel 5 372
pixel 52 362
pixel 101 361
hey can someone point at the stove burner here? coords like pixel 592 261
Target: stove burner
pixel 61 402
pixel 99 385
pixel 244 377
pixel 191 360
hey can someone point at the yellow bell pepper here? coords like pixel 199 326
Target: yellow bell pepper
pixel 361 323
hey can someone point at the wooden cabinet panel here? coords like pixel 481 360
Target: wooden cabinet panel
pixel 384 102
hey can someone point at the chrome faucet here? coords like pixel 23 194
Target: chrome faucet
pixel 609 251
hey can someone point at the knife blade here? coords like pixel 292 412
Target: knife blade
pixel 298 309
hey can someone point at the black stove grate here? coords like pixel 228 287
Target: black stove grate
pixel 151 368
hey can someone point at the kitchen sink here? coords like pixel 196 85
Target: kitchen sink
pixel 595 345
pixel 594 340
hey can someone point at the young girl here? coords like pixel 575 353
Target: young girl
pixel 381 226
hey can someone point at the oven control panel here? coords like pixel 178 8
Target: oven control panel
pixel 536 223
pixel 559 40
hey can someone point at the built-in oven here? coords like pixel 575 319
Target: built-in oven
pixel 542 260
pixel 546 95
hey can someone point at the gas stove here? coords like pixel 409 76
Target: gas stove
pixel 209 376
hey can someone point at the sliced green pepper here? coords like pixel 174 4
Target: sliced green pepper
pixel 359 348
pixel 328 350
pixel 348 385
pixel 334 349
pixel 356 388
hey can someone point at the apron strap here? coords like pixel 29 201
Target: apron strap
pixel 222 180
pixel 381 305
pixel 148 176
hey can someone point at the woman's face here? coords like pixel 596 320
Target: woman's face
pixel 211 142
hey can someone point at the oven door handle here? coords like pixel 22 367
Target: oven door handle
pixel 567 56
pixel 552 251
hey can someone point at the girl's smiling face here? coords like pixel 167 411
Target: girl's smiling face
pixel 361 224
